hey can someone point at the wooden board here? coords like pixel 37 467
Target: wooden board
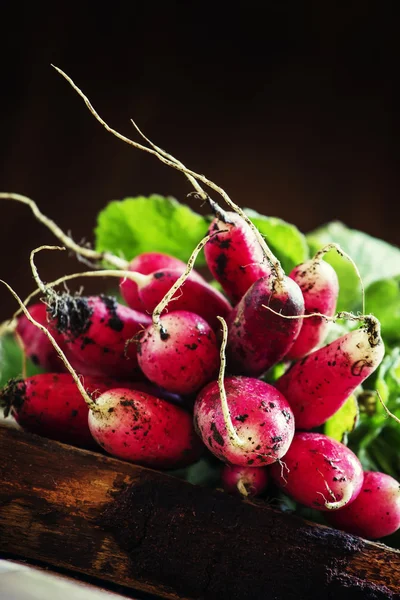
pixel 117 522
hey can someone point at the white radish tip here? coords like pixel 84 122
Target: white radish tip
pixel 348 492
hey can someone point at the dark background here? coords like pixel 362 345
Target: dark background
pixel 290 108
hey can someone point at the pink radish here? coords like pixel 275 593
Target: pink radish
pixel 319 472
pixel 252 426
pixel 318 385
pixel 99 334
pixel 157 433
pixel 51 405
pixel 143 429
pixel 246 481
pixel 181 354
pixel 258 338
pixel 36 345
pixel 148 263
pixel 234 255
pixel 320 287
pixel 194 295
pixel 375 512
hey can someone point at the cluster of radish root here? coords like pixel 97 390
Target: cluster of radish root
pixel 227 436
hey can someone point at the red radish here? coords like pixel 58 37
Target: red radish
pixel 319 472
pixel 163 432
pixel 194 295
pixel 258 338
pixel 375 512
pixel 320 287
pixel 181 354
pixel 143 429
pixel 147 263
pixel 235 256
pixel 254 429
pixel 36 345
pixel 247 481
pixel 99 334
pixel 51 405
pixel 318 385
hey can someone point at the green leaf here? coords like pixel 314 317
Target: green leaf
pixel 287 243
pixel 374 258
pixel 383 301
pixel 204 472
pixel 343 421
pixel 153 224
pixel 11 361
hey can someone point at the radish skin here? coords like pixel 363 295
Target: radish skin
pixel 319 472
pixel 99 335
pixel 234 256
pixel 51 405
pixel 181 355
pixel 36 345
pixel 245 481
pixel 318 385
pixel 148 263
pixel 258 338
pixel 319 284
pixel 194 296
pixel 375 513
pixel 140 428
pixel 261 417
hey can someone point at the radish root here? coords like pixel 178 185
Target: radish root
pixel 341 252
pixel 388 412
pixel 179 282
pixel 371 322
pixel 117 262
pixel 233 436
pixel 242 488
pixel 175 164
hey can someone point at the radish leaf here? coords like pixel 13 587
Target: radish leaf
pixel 155 224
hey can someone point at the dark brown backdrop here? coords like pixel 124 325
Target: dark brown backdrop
pixel 291 109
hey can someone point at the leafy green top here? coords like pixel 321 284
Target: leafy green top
pixel 154 224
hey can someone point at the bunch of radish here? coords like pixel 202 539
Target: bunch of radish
pixel 179 372
pixel 138 372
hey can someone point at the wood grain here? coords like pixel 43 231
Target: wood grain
pixel 117 522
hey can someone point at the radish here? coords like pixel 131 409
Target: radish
pixel 194 296
pixel 179 350
pixel 241 420
pixel 234 255
pixel 181 354
pixel 318 385
pixel 255 431
pixel 99 334
pixel 143 429
pixel 51 405
pixel 319 472
pixel 258 338
pixel 148 263
pixel 246 481
pixel 375 512
pixel 36 345
pixel 157 433
pixel 320 287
